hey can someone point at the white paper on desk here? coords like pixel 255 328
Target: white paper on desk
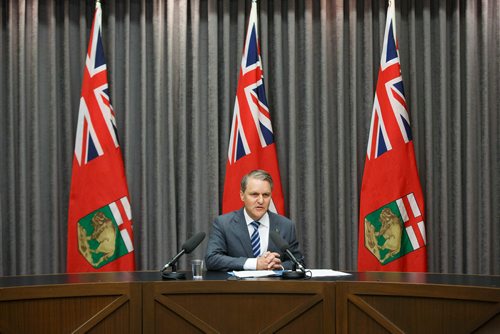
pixel 327 273
pixel 255 273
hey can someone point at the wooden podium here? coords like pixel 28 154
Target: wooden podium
pixel 140 302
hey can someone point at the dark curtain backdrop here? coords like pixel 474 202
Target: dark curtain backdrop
pixel 173 69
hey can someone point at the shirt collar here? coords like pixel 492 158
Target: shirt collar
pixel 264 220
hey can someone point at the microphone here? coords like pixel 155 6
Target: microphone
pixel 285 247
pixel 186 248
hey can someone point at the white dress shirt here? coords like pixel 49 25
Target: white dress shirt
pixel 251 263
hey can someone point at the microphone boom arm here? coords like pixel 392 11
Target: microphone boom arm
pixel 172 262
pixel 295 261
pixel 285 247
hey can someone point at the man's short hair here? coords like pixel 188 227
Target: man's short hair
pixel 258 174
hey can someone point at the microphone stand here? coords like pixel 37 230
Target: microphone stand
pixel 187 248
pixel 294 274
pixel 173 275
pixel 284 247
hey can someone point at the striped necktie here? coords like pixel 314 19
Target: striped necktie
pixel 255 239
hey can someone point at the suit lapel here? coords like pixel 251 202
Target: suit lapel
pixel 273 226
pixel 241 231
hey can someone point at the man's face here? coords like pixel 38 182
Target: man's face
pixel 256 198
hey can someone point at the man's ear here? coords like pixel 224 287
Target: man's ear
pixel 241 195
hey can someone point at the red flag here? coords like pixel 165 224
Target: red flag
pixel 391 215
pixel 100 234
pixel 251 144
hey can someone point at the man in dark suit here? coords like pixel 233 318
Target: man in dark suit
pixel 239 240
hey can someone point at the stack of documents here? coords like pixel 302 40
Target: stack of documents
pixel 278 273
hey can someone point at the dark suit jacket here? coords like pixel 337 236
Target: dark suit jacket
pixel 229 244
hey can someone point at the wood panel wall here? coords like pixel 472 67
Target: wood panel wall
pixel 249 306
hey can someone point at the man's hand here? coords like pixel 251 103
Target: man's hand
pixel 269 261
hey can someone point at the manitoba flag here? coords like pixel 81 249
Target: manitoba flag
pixel 391 216
pixel 99 220
pixel 251 143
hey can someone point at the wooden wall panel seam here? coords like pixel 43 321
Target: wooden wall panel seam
pixel 293 314
pixel 185 314
pixel 101 315
pixel 481 321
pixel 374 314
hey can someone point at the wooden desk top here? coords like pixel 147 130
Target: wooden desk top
pixel 155 276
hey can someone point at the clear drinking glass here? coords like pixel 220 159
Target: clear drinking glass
pixel 197 267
